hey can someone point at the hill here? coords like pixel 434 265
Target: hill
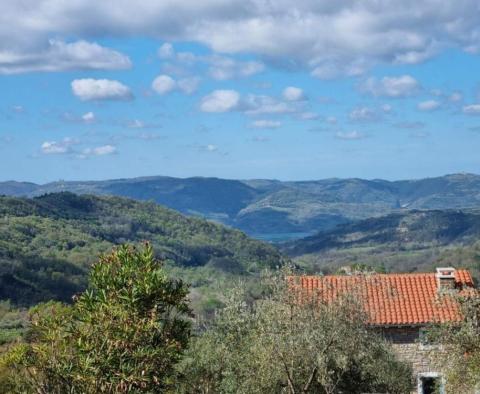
pixel 399 242
pixel 47 244
pixel 267 208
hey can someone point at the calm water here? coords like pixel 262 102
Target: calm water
pixel 279 237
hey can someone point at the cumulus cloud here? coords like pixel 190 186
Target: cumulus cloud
pixel 222 68
pixel 429 105
pixel 166 51
pixel 61 56
pixel 331 120
pixel 343 37
pixel 395 87
pixel 100 89
pixel 472 109
pixel 363 114
pixel 350 135
pixel 266 124
pixel 387 108
pixel 88 117
pixel 307 116
pixel 218 67
pixel 293 93
pixel 264 105
pixel 99 151
pixel 220 101
pixel 164 84
pixel 455 97
pixel 58 147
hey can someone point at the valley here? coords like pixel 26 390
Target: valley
pixel 271 209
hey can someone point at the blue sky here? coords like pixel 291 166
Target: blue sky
pixel 354 89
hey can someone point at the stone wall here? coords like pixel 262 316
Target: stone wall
pixel 406 343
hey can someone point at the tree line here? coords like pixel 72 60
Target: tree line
pixel 132 331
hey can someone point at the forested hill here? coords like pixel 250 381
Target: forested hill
pixel 419 228
pixel 263 207
pixel 400 242
pixel 47 243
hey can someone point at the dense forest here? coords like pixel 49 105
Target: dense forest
pixel 400 242
pixel 48 243
pixel 263 207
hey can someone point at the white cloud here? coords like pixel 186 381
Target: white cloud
pixel 135 124
pixel 211 148
pixel 166 51
pixel 363 114
pixel 455 97
pixel 387 108
pixel 331 120
pixel 99 151
pixel 61 56
pixel 58 147
pixel 472 109
pixel 188 85
pixel 219 67
pixel 308 116
pixel 343 37
pixel 100 89
pixel 292 93
pixel 395 87
pixel 222 68
pixel 18 109
pixel 429 105
pixel 220 101
pixel 351 135
pixel 163 84
pixel 88 117
pixel 420 134
pixel 149 136
pixel 260 139
pixel 266 124
pixel 262 105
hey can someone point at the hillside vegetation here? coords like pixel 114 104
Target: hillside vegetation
pixel 263 207
pixel 400 242
pixel 48 243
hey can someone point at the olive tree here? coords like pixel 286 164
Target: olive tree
pixel 278 344
pixel 125 333
pixel 460 341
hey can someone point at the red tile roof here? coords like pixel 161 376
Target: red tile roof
pixel 390 299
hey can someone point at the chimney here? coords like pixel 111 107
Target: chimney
pixel 445 278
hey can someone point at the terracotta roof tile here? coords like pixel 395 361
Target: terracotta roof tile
pixel 390 299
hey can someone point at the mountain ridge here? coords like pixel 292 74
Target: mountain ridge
pixel 262 206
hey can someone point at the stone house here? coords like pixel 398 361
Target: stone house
pixel 401 307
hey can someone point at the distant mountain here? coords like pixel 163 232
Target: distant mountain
pixel 47 244
pixel 262 207
pixel 406 241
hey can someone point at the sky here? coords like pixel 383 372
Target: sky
pixel 299 90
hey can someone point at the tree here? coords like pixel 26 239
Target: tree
pixel 125 333
pixel 460 357
pixel 278 344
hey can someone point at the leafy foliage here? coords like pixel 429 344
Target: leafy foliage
pixel 48 243
pixel 125 333
pixel 461 358
pixel 401 242
pixel 277 344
